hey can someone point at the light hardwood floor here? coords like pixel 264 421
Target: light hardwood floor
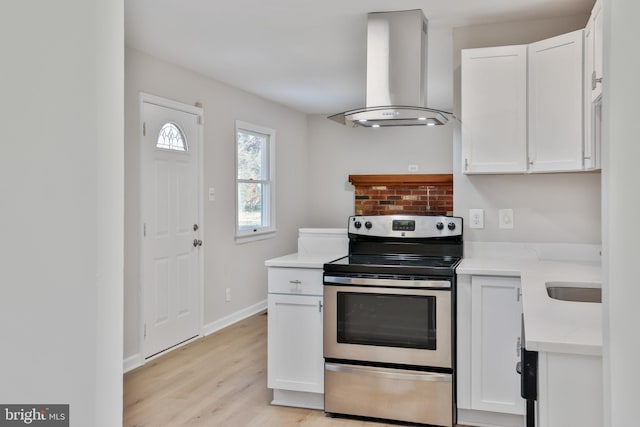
pixel 219 380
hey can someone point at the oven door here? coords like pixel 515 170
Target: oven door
pixel 388 324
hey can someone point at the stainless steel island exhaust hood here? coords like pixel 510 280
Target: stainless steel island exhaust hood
pixel 396 74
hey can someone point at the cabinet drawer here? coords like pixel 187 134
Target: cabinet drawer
pixel 403 395
pixel 299 281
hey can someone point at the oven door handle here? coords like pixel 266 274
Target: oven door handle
pixel 386 373
pixel 440 284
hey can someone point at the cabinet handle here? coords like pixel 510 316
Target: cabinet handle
pixel 595 81
pixel 319 306
pixel 295 282
pixel 519 294
pixel 466 164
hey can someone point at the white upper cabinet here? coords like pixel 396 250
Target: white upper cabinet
pixel 593 88
pixel 595 77
pixel 555 142
pixel 533 108
pixel 494 109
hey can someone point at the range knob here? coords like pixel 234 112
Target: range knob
pixel 451 226
pixel 357 224
pixel 439 226
pixel 368 225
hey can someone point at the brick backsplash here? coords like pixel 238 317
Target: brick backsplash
pixel 396 196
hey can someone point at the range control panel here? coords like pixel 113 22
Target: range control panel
pixel 408 226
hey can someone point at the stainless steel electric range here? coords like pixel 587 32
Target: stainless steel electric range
pixel 389 320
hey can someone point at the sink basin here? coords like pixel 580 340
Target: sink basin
pixel 575 291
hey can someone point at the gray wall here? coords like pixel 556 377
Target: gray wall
pixel 560 207
pixel 226 264
pixel 61 210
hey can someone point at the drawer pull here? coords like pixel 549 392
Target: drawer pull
pixel 388 373
pixel 295 282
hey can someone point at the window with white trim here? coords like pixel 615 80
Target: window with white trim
pixel 255 206
pixel 171 137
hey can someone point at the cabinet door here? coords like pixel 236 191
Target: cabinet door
pixel 494 109
pixel 589 151
pixel 596 76
pixel 295 360
pixel 496 312
pixel 555 103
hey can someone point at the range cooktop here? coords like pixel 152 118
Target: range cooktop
pixel 401 245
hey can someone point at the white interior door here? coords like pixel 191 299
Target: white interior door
pixel 170 175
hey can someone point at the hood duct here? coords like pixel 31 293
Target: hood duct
pixel 396 74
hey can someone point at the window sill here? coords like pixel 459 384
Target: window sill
pixel 253 237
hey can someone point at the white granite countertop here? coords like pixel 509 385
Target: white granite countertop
pixel 297 260
pixel 550 325
pixel 316 246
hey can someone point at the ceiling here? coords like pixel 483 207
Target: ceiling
pixel 309 55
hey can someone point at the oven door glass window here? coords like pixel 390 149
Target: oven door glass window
pixel 407 321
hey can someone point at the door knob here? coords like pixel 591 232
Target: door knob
pixel 197 243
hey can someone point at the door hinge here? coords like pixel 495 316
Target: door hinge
pixel 199 120
pixel 145 331
pixel 144 230
pixel 144 129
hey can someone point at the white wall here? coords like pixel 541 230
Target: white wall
pixel 337 151
pixel 226 264
pixel 61 180
pixel 621 229
pixel 547 207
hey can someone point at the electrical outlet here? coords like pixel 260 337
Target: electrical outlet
pixel 505 218
pixel 413 168
pixel 476 218
pixel 227 294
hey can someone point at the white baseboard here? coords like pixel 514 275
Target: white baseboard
pixel 233 318
pixel 298 399
pixel 132 362
pixel 135 361
pixel 470 417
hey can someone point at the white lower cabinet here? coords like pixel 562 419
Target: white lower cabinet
pixel 569 390
pixel 496 312
pixel 295 367
pixel 489 314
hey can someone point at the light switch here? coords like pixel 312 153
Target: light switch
pixel 476 218
pixel 505 218
pixel 212 194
